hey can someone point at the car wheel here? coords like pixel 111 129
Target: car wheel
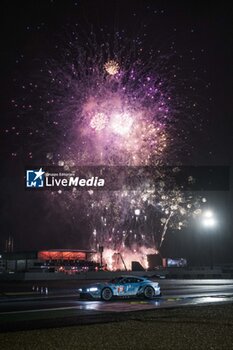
pixel 106 294
pixel 149 292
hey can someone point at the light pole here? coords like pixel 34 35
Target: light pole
pixel 95 238
pixel 137 213
pixel 209 223
pixel 101 249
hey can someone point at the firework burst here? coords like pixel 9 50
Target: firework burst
pixel 125 117
pixel 112 67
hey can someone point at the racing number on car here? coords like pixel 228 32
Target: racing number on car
pixel 120 289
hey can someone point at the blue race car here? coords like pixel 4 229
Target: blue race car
pixel 124 286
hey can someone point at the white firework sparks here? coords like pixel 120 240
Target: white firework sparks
pixel 112 67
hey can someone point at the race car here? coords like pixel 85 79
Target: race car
pixel 123 286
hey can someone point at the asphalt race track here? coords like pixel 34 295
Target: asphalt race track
pixel 63 307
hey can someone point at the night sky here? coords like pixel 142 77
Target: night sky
pixel 195 39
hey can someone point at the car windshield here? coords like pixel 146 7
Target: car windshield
pixel 116 280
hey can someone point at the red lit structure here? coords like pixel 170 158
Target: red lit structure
pixel 62 255
pixel 66 260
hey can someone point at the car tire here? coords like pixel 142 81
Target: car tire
pixel 106 294
pixel 149 292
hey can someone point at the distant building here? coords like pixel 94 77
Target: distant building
pixel 59 260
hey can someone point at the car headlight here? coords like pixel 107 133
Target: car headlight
pixel 80 290
pixel 92 289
